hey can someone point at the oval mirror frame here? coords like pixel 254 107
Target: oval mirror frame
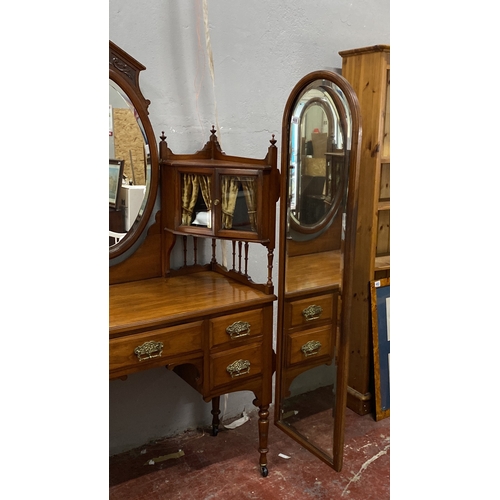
pixel 124 71
pixel 331 105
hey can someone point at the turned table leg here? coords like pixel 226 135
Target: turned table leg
pixel 215 415
pixel 263 430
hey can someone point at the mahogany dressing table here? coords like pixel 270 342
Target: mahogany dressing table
pixel 207 321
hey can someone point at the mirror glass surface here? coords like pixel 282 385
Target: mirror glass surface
pixel 319 159
pixel 317 167
pixel 127 143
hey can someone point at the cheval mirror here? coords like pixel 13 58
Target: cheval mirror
pixel 133 156
pixel 320 170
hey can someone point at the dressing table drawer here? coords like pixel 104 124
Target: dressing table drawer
pixel 155 347
pixel 245 325
pixel 235 365
pixel 306 312
pixel 310 345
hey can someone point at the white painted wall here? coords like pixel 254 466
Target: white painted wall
pixel 260 50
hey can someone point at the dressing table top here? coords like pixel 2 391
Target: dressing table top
pixel 155 302
pixel 313 272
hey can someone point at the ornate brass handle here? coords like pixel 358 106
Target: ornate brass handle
pixel 239 367
pixel 311 348
pixel 238 329
pixel 312 312
pixel 148 350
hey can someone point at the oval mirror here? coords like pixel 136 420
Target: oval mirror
pixel 319 159
pixel 133 158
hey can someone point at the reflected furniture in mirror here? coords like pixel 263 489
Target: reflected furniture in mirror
pixel 183 297
pixel 319 168
pixel 368 71
pixel 116 216
pixel 130 137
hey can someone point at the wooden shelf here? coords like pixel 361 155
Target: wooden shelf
pixel 317 272
pixel 383 263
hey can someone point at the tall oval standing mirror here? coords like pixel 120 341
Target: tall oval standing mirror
pixel 133 156
pixel 320 167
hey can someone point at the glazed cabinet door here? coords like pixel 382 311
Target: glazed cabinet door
pixel 225 203
pixel 239 204
pixel 194 199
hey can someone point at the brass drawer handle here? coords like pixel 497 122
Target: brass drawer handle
pixel 312 312
pixel 148 350
pixel 238 329
pixel 238 368
pixel 311 348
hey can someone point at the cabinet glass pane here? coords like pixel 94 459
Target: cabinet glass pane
pixel 239 202
pixel 196 199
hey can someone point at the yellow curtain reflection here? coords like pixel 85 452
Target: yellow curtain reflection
pixel 205 185
pixel 190 187
pixel 191 184
pixel 248 184
pixel 229 195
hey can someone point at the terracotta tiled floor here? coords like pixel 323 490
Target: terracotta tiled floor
pixel 226 467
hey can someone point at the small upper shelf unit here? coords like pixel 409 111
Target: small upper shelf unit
pixel 216 195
